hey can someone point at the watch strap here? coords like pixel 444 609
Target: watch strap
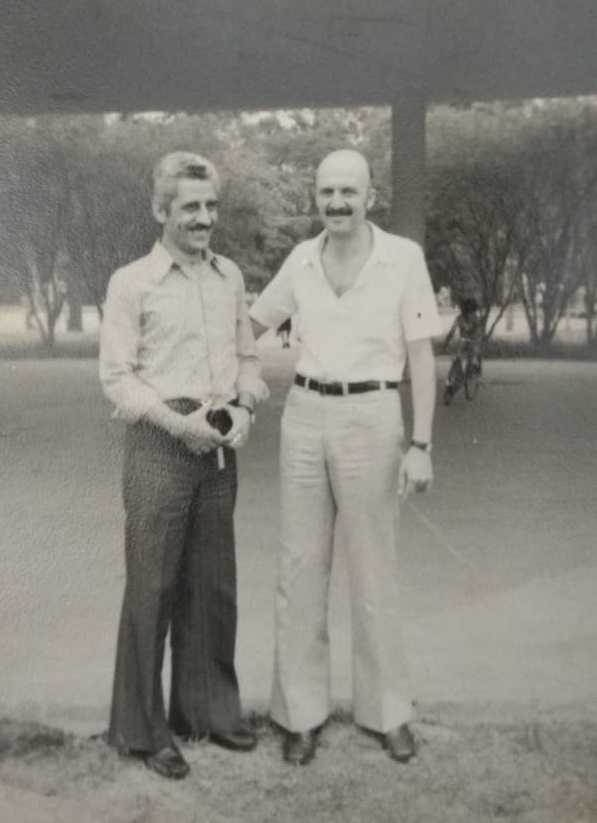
pixel 419 444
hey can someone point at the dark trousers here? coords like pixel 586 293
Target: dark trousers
pixel 180 575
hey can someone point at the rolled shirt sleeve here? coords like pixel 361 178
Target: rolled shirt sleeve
pixel 119 341
pixel 277 301
pixel 419 314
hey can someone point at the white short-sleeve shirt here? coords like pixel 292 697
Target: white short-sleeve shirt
pixel 361 335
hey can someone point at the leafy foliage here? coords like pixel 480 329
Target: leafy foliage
pixel 511 197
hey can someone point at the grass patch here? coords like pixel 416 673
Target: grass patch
pixel 500 349
pixel 86 346
pixel 524 772
pixel 23 739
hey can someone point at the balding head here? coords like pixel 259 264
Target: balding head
pixel 346 161
pixel 343 192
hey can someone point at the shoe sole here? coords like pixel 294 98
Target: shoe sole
pixel 402 758
pixel 231 747
pixel 164 771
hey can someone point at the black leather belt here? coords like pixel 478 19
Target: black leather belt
pixel 344 388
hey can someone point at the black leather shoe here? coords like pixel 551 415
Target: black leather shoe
pixel 400 744
pixel 168 762
pixel 239 740
pixel 299 747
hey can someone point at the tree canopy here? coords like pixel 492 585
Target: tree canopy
pixel 511 195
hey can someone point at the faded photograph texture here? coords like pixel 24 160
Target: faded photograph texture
pixel 476 125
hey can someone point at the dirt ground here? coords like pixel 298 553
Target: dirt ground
pixel 466 772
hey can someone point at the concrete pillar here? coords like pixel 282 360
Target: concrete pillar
pixel 408 165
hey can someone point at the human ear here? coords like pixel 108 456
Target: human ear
pixel 159 211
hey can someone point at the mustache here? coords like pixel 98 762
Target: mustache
pixel 344 212
pixel 205 226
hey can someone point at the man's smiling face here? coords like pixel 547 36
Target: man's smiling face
pixel 189 219
pixel 343 192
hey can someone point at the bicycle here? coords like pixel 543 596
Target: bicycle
pixel 466 366
pixel 469 376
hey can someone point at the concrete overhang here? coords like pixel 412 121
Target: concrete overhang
pixel 125 55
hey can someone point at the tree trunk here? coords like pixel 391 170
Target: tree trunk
pixel 510 317
pixel 75 313
pixel 590 301
pixel 73 296
pixel 50 340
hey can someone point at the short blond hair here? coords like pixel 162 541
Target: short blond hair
pixel 180 165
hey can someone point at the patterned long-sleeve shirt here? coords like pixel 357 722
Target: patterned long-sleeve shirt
pixel 172 330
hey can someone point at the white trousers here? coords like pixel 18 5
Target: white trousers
pixel 339 461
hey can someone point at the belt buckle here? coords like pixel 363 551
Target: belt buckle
pixel 322 388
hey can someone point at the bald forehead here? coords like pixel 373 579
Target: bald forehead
pixel 345 162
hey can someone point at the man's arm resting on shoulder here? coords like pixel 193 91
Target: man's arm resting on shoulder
pixel 416 472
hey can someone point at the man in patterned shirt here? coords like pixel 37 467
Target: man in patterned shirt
pixel 176 347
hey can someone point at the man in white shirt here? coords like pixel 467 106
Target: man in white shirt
pixel 364 305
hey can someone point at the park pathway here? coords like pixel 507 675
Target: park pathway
pixel 498 561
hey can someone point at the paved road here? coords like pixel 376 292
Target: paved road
pixel 499 562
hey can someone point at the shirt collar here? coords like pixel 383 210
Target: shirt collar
pixel 162 261
pixel 382 248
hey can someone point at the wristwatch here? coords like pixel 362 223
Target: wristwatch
pixel 424 447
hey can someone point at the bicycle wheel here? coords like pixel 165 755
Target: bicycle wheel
pixel 454 381
pixel 448 394
pixel 472 380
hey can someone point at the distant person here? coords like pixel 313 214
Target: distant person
pixel 365 304
pixel 283 331
pixel 177 352
pixel 469 327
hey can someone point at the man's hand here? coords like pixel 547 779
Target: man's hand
pixel 416 472
pixel 241 426
pixel 198 435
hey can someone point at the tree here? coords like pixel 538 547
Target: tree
pixel 510 188
pixel 588 262
pixel 474 206
pixel 559 180
pixel 32 224
pixel 75 193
